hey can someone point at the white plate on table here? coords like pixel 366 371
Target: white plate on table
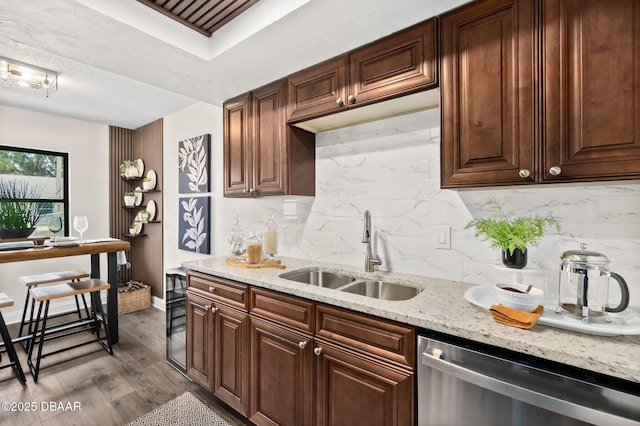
pixel 623 323
pixel 62 243
pixel 137 193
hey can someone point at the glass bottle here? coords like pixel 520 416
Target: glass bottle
pixel 270 237
pixel 236 240
pixel 254 249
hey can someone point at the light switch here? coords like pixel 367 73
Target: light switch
pixel 443 237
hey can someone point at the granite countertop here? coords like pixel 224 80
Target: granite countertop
pixel 441 307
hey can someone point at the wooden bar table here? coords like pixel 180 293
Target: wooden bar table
pixel 92 247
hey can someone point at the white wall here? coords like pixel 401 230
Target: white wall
pixel 392 167
pixel 88 147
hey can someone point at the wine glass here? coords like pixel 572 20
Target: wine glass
pixel 80 224
pixel 55 226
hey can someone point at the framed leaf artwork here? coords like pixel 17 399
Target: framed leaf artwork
pixel 193 165
pixel 194 224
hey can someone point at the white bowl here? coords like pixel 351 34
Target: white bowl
pixel 521 301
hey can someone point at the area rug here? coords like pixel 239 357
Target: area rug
pixel 184 410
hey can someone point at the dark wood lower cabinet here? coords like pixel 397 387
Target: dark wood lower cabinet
pixel 288 361
pixel 199 339
pixel 353 390
pixel 281 375
pixel 231 357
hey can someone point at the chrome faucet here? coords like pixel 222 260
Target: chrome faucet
pixel 370 261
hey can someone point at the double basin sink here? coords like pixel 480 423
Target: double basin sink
pixel 352 284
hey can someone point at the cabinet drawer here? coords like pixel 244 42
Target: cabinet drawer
pixel 373 336
pixel 289 310
pixel 229 292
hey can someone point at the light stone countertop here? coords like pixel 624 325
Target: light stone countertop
pixel 441 307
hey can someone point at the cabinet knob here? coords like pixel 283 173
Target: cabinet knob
pixel 212 289
pixel 206 307
pixel 302 345
pixel 555 171
pixel 339 101
pixel 213 309
pixel 244 190
pixel 524 173
pixel 317 351
pixel 352 99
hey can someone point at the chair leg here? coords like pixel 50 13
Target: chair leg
pixel 11 351
pixel 101 319
pixel 36 369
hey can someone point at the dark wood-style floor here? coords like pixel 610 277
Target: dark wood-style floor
pixel 110 390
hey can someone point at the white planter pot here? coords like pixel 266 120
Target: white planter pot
pixel 147 186
pixel 129 200
pixel 131 172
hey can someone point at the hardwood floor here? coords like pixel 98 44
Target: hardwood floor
pixel 109 390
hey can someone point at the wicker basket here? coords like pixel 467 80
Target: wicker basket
pixel 133 296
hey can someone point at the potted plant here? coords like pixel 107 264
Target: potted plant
pixel 133 229
pixel 143 216
pixel 129 169
pixel 129 199
pixel 19 217
pixel 147 184
pixel 512 235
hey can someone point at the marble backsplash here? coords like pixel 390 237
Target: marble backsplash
pixel 391 167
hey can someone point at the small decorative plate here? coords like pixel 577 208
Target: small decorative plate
pixel 151 208
pixel 138 194
pixel 152 175
pixel 140 167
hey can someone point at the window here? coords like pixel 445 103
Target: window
pixel 33 192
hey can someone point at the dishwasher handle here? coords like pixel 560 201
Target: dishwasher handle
pixel 512 390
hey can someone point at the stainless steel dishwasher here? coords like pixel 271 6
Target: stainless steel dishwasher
pixel 460 386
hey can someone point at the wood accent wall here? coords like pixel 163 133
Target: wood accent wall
pixel 146 254
pixel 120 149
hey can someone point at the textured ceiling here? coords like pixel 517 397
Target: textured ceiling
pixel 128 72
pixel 204 16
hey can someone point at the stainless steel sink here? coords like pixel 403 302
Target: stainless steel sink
pixel 382 290
pixel 320 278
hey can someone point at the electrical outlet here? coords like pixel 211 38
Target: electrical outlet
pixel 442 237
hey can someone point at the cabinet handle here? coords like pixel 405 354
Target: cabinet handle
pixel 351 99
pixel 524 173
pixel 339 101
pixel 555 171
pixel 213 309
pixel 302 345
pixel 212 289
pixel 317 351
pixel 206 307
pixel 244 190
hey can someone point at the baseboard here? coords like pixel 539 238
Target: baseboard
pixel 158 303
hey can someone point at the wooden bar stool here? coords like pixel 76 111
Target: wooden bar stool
pixel 14 362
pixel 29 304
pixel 41 333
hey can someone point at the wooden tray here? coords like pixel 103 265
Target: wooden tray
pixel 264 264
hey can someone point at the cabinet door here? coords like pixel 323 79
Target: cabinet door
pixel 231 365
pixel 237 146
pixel 487 94
pixel 317 91
pixel 354 391
pixel 281 375
pixel 269 140
pixel 394 66
pixel 199 339
pixel 591 72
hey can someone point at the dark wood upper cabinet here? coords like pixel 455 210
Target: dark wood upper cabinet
pixel 262 154
pixel 487 94
pixel 577 119
pixel 591 79
pixel 318 90
pixel 397 65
